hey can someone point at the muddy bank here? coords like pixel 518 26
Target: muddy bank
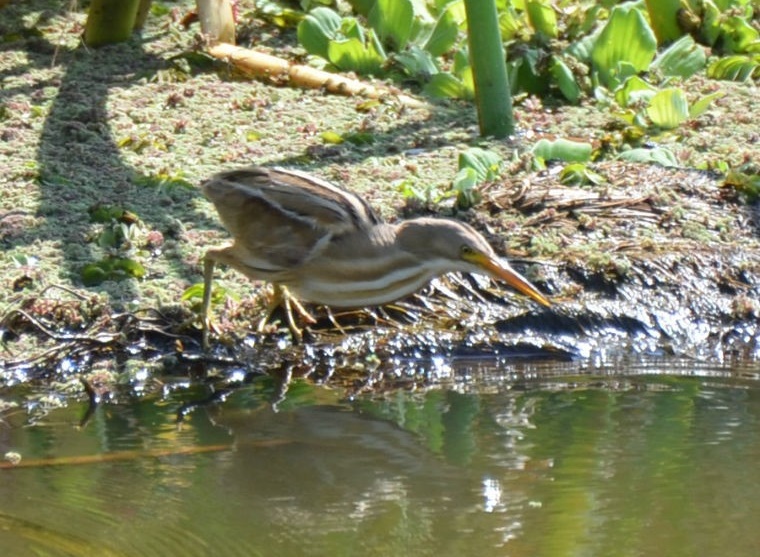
pixel 646 260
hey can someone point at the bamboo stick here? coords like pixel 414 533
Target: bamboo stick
pixel 267 66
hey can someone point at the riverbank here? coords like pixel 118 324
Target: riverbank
pixel 647 259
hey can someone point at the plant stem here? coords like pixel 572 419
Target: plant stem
pixel 492 94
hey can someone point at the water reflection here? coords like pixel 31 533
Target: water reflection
pixel 574 465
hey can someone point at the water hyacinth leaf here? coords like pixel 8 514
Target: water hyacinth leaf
pixel 392 21
pixel 129 267
pixel 353 55
pixel 625 39
pixel 542 17
pixel 582 48
pixel 362 7
pixel 510 23
pixel 664 17
pixel 444 85
pixel 350 29
pixel 578 174
pixel 683 58
pixel 634 90
pixel 464 185
pixel 658 155
pixel 317 29
pixel 93 275
pixel 668 108
pixel 710 28
pixel 484 163
pixel 565 81
pixel 417 62
pixel 109 238
pixel 738 34
pixel 461 61
pixel 457 84
pixel 703 104
pixel 111 269
pixel 735 68
pixel 562 150
pixel 525 75
pixel 446 30
pixel 194 293
pixel 468 83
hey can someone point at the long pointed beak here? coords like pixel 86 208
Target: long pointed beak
pixel 502 271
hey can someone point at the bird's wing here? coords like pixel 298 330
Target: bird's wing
pixel 282 218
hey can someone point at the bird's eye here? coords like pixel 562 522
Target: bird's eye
pixel 466 250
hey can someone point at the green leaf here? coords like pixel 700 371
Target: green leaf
pixel 93 274
pixel 392 21
pixel 111 269
pixel 582 48
pixel 625 39
pixel 194 293
pixel 542 17
pixel 703 104
pixel 484 163
pixel 446 30
pixel 354 55
pixel 668 108
pixel 563 150
pixel 735 68
pixel 362 7
pixel 738 34
pixel 443 85
pixel 683 58
pixel 129 267
pixel 464 185
pixel 565 80
pixel 711 20
pixel 511 23
pixel 663 15
pixel 417 62
pixel 633 91
pixel 350 28
pixel 658 155
pixel 109 238
pixel 578 174
pixel 317 29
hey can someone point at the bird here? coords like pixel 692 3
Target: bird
pixel 320 243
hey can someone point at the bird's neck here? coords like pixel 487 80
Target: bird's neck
pixel 384 234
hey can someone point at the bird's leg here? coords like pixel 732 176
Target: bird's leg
pixel 283 298
pixel 208 275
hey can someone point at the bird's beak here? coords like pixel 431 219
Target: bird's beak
pixel 502 271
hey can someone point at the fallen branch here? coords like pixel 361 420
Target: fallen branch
pixel 266 65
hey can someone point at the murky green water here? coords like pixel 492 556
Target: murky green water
pixel 637 464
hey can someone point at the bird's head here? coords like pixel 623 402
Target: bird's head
pixel 452 245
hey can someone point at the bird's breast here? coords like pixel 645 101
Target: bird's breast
pixel 363 281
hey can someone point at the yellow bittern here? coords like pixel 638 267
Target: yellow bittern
pixel 326 245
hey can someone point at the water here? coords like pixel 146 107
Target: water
pixel 653 460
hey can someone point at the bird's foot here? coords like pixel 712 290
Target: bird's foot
pixel 283 298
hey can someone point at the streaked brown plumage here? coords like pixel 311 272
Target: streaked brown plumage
pixel 326 245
